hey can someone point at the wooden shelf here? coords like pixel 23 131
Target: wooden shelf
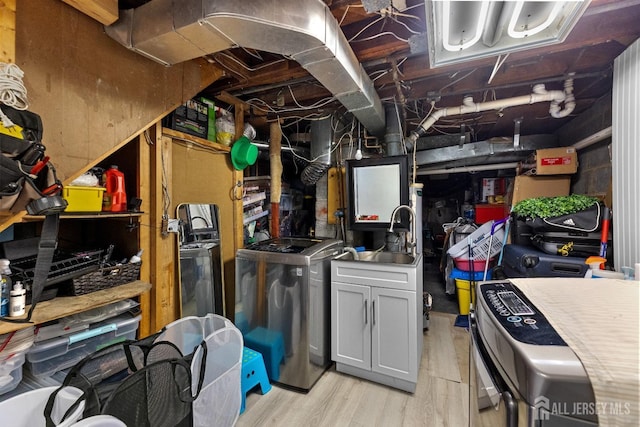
pixel 196 140
pixel 252 198
pixel 65 306
pixel 87 215
pixel 256 216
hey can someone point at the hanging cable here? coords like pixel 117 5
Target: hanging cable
pixel 497 66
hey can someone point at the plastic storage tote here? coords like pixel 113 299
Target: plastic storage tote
pixel 47 357
pixel 27 409
pixel 13 347
pixel 11 372
pixel 83 199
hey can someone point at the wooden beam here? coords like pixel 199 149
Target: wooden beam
pixel 8 31
pixel 103 11
pixel 238 230
pixel 232 100
pixel 163 245
pixel 275 159
pixel 195 140
pixel 144 192
pixel 238 177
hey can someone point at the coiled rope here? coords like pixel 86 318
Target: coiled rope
pixel 13 93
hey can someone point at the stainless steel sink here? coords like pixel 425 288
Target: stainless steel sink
pixel 380 257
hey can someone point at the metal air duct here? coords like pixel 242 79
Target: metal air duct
pixel 170 32
pixel 320 152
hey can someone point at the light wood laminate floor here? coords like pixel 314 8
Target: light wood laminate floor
pixel 441 397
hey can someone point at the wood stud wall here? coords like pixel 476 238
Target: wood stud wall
pixel 95 97
pixel 8 31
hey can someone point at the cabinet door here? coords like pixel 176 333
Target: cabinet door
pixel 394 333
pixel 350 325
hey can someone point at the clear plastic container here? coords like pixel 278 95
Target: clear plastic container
pixel 81 321
pixel 48 357
pixel 15 342
pixel 11 372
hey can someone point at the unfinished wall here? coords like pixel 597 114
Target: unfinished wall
pixel 94 96
pixel 594 171
pixel 92 93
pixel 8 31
pixel 204 176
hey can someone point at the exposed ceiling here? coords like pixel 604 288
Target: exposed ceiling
pixel 381 44
pixel 391 46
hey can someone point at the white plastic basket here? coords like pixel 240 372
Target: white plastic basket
pixel 479 241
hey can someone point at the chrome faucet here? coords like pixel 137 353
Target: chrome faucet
pixel 352 251
pixel 413 243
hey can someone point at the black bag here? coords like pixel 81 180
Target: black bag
pixel 584 221
pixel 28 181
pixel 143 383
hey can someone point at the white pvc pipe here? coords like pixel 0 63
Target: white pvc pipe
pixel 592 139
pixel 539 94
pixel 476 168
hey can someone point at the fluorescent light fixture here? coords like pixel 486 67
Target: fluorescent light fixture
pixel 526 31
pixel 464 30
pixel 458 34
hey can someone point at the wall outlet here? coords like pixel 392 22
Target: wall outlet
pixel 173 225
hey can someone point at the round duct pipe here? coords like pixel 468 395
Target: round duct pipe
pixel 393 135
pixel 320 152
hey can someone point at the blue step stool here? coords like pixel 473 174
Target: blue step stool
pixel 253 374
pixel 271 345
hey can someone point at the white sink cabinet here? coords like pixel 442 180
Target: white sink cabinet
pixel 376 320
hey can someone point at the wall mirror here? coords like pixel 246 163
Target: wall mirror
pixel 201 275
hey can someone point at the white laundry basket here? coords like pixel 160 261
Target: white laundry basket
pixel 220 397
pixel 27 409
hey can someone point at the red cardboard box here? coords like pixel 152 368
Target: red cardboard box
pixel 486 212
pixel 556 161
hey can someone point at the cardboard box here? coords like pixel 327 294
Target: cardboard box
pixel 528 187
pixel 556 161
pixel 191 117
pixel 492 187
pixel 486 213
